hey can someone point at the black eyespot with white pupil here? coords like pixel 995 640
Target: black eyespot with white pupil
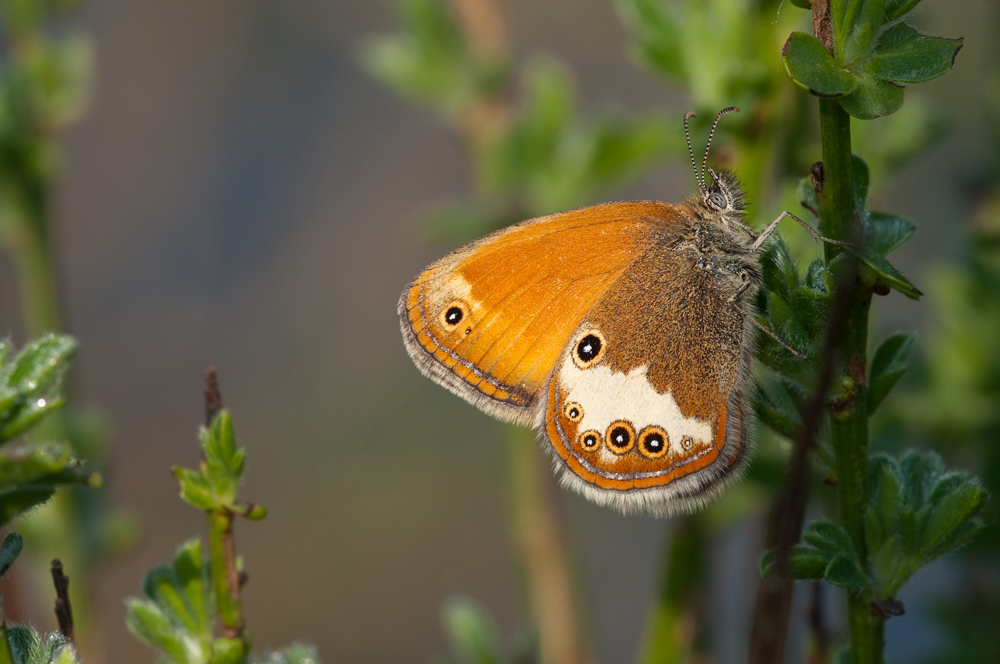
pixel 453 316
pixel 588 348
pixel 718 200
pixel 620 437
pixel 590 440
pixel 653 443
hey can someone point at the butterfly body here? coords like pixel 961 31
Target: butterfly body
pixel 622 331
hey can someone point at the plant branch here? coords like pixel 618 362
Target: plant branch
pixel 774 595
pixel 542 553
pixel 849 420
pixel 225 576
pixel 675 622
pixel 213 397
pixel 64 611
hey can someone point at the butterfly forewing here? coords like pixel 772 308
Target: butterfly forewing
pixel 490 320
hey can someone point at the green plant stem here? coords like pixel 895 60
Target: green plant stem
pixel 35 279
pixel 541 553
pixel 225 577
pixel 673 627
pixel 6 657
pixel 849 420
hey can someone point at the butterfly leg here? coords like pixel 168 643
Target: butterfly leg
pixel 812 231
pixel 770 333
pixel 743 286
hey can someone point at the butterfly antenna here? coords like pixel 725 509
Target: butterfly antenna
pixel 704 163
pixel 694 164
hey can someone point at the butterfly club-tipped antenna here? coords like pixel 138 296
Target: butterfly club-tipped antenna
pixel 694 164
pixel 704 162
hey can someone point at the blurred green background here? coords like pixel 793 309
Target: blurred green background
pixel 242 193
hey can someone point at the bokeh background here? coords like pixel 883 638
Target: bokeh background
pixel 241 193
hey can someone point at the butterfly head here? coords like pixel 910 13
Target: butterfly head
pixel 724 196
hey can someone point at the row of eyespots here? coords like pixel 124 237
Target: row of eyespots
pixel 620 438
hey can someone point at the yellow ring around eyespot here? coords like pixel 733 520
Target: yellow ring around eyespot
pixel 653 455
pixel 568 411
pixel 583 436
pixel 617 424
pixel 581 364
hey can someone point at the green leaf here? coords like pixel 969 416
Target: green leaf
pixel 779 419
pixel 884 270
pixel 29 647
pixel 923 474
pixel 862 34
pixel 9 551
pixel 830 538
pixel 884 232
pixel 844 572
pixel 181 591
pixel 803 562
pixel 30 473
pixel 472 632
pixel 903 55
pixel 897 8
pixel 888 367
pixel 175 617
pixel 224 461
pixel 873 97
pixel 33 462
pixel 954 509
pixel 151 626
pixel 195 489
pixel 30 384
pixel 812 67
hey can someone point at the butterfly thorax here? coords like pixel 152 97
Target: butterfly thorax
pixel 717 239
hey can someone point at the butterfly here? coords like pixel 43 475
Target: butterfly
pixel 622 331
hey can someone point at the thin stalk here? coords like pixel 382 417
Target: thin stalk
pixel 533 519
pixel 6 657
pixel 674 626
pixel 849 420
pixel 225 577
pixel 541 551
pixel 35 279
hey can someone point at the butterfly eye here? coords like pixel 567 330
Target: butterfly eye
pixel 718 201
pixel 620 437
pixel 453 315
pixel 573 412
pixel 653 442
pixel 590 439
pixel 588 349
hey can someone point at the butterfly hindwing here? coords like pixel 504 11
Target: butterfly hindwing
pixel 645 407
pixel 490 320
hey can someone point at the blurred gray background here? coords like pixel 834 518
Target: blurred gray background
pixel 242 194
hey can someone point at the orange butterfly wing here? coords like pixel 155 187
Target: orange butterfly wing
pixel 490 320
